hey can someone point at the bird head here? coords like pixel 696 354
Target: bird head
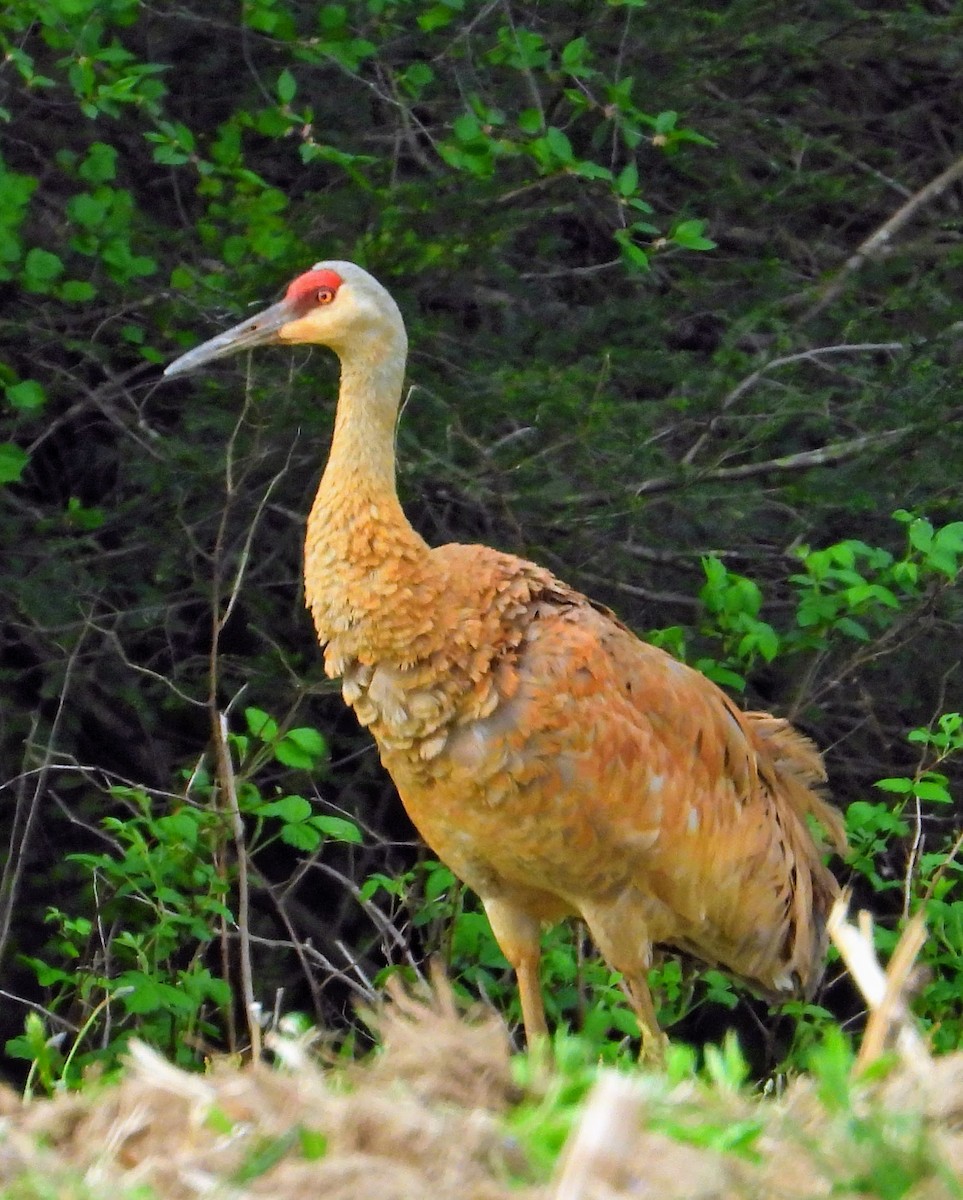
pixel 336 304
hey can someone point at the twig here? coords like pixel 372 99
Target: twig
pixel 25 813
pixel 834 452
pixel 884 992
pixel 750 381
pixel 249 539
pixel 643 593
pixel 225 771
pixel 48 1014
pixel 535 94
pixel 879 239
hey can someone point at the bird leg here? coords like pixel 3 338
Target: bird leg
pixel 654 1041
pixel 620 932
pixel 519 937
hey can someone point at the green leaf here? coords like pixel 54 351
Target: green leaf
pixel 439 879
pixel 338 828
pixel 575 56
pixel 665 122
pixel 287 86
pixel 715 572
pixel 591 170
pixel 182 279
pixel 559 144
pixel 920 534
pixel 627 180
pixel 40 269
pixel 76 291
pixel 100 165
pixel 27 395
pixel 291 755
pixel 631 252
pixel 530 120
pixel 899 785
pixel 721 674
pixel 264 1154
pixel 291 809
pixel 689 235
pixel 415 78
pixel 47 975
pixel 948 548
pixel 261 724
pixel 436 17
pixel 140 993
pixel 378 882
pixel 313 1143
pixel 764 640
pixel 467 130
pixel 853 628
pixel 310 740
pixel 932 790
pixel 81 517
pixel 12 462
pixel 301 837
pixel 87 210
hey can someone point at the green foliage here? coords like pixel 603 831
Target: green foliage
pixel 164 898
pixel 853 1142
pixel 848 590
pixel 928 874
pixel 733 603
pixel 15 192
pixel 159 897
pixel 12 462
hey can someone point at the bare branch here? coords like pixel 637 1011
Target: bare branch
pixel 880 238
pixel 835 452
pixel 249 538
pixel 814 353
pixel 27 809
pixel 225 771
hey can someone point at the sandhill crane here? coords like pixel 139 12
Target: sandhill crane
pixel 559 765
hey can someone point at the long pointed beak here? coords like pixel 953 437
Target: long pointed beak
pixel 261 330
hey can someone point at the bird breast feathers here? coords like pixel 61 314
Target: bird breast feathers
pixel 522 681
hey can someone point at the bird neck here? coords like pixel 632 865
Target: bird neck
pixel 360 545
pixel 363 444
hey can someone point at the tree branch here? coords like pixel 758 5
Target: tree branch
pixel 835 452
pixel 880 238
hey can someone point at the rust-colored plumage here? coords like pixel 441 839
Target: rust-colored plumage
pixel 558 765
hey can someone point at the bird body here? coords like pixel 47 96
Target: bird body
pixel 556 763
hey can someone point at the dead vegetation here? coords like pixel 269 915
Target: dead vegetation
pixel 439 1111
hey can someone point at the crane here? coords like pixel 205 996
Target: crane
pixel 560 766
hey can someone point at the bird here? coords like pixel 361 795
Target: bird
pixel 558 764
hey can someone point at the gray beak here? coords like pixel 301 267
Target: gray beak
pixel 261 330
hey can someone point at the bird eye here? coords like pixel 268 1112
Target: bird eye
pixel 324 295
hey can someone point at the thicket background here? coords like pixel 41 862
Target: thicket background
pixel 679 283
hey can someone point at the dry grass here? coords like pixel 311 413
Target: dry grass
pixel 436 1113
